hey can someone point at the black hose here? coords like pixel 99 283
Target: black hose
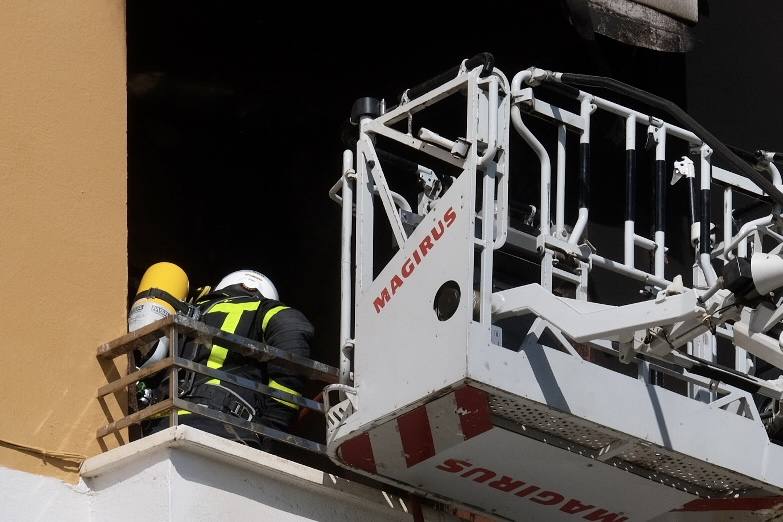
pixel 746 155
pixel 484 59
pixel 668 106
pixel 755 157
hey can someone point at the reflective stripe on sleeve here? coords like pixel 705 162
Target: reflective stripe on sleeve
pixel 277 386
pixel 270 314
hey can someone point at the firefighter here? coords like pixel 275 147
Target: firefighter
pixel 244 303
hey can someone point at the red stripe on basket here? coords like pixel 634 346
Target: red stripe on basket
pixel 357 453
pixel 416 436
pixel 732 504
pixel 473 411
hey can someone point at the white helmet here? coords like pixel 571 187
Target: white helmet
pixel 251 280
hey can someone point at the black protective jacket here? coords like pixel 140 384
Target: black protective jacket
pixel 237 311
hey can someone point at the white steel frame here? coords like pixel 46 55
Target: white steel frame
pixel 653 333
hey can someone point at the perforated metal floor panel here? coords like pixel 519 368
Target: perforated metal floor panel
pixel 636 456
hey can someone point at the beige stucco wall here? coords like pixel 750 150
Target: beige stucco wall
pixel 62 221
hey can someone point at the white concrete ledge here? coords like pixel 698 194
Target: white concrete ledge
pixel 183 473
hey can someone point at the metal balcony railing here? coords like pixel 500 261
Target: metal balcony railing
pixel 175 326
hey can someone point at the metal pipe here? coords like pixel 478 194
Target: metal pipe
pixel 728 207
pixel 345 266
pixel 692 200
pixel 774 235
pixel 492 145
pixel 586 107
pixel 579 226
pixel 633 273
pixel 742 248
pixel 704 240
pixel 333 192
pixel 364 248
pixel 670 107
pixel 630 190
pixel 485 60
pixel 748 228
pixel 628 244
pixel 546 166
pixel 501 173
pixel 432 137
pixel 173 374
pixel 776 178
pixel 660 254
pixel 712 290
pixel 518 79
pixel 487 233
pixel 560 195
pixel 399 199
pixel 660 200
pixel 619 110
pixel 643 242
pixel 344 390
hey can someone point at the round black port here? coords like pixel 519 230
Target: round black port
pixel 446 300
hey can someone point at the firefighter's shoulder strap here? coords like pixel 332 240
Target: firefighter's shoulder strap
pixel 157 293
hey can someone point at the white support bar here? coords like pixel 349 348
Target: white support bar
pixel 728 211
pixel 628 244
pixel 759 344
pixel 546 166
pixel 415 105
pixel 674 130
pixel 561 182
pixel 747 229
pixel 729 178
pixel 435 138
pixel 660 235
pixel 633 273
pixel 346 300
pixel 492 125
pixel 379 179
pixel 527 98
pixel 705 171
pixel 584 321
pixel 643 242
pixel 375 127
pixel 579 226
pixel 660 253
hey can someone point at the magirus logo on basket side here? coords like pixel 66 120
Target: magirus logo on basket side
pixel 415 259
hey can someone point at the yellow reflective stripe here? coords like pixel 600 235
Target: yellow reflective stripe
pixel 277 386
pixel 270 314
pixel 217 356
pixel 167 413
pixel 234 311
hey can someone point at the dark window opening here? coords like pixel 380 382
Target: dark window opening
pixel 235 118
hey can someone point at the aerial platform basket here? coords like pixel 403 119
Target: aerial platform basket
pixel 469 386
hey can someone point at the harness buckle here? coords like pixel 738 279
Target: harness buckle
pixel 238 409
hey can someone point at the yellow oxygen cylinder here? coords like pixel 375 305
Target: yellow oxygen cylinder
pixel 169 278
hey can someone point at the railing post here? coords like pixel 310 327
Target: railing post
pixel 173 373
pixel 630 190
pixel 660 200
